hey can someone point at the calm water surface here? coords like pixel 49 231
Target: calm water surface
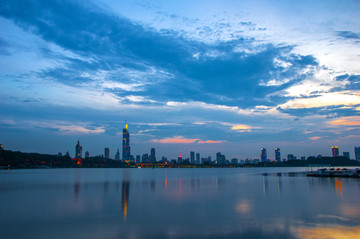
pixel 177 203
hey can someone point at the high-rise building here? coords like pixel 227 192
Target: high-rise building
pixel 357 153
pixel 346 154
pixel 152 155
pixel 335 151
pixel 145 158
pixel 192 157
pixel 137 158
pixel 87 155
pixel 220 159
pixel 126 144
pixel 263 155
pixel 78 150
pixel 107 153
pixel 117 155
pixel 197 158
pixel 277 155
pixel 1 147
pixel 180 159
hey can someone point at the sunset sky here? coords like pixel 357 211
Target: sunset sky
pixel 203 76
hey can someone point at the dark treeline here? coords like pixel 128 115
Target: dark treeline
pixel 11 159
pixel 16 159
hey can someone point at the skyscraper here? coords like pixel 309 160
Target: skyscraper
pixel 346 154
pixel 335 151
pixel 126 144
pixel 180 159
pixel 220 159
pixel 357 153
pixel 78 150
pixel 197 158
pixel 145 158
pixel 263 155
pixel 277 155
pixel 192 157
pixel 152 155
pixel 107 153
pixel 87 155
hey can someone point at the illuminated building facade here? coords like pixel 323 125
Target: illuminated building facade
pixel 107 153
pixel 357 153
pixel 263 155
pixel 78 150
pixel 126 144
pixel 335 151
pixel 277 155
pixel 180 159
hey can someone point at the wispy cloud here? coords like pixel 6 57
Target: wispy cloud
pixel 62 127
pixel 346 98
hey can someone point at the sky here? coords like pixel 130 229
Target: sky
pixel 206 76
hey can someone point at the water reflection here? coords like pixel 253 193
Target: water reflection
pixel 279 182
pixel 265 184
pixel 210 203
pixel 125 195
pixel 338 186
pixel 330 232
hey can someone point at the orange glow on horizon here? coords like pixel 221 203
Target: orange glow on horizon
pixel 182 140
pixel 348 121
pixel 338 232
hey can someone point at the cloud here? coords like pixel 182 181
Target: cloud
pixel 347 98
pixel 315 138
pixel 182 140
pixel 61 126
pixel 348 121
pixel 241 128
pixel 348 34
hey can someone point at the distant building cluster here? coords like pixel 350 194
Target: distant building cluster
pixel 195 158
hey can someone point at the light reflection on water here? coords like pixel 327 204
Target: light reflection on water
pixel 177 203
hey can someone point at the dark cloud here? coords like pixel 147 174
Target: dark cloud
pixel 113 42
pixel 348 34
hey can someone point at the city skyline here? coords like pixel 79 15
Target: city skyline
pixel 220 76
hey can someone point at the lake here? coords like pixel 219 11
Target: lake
pixel 177 203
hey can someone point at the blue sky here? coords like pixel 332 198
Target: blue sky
pixel 207 76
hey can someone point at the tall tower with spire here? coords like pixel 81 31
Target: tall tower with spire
pixel 126 144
